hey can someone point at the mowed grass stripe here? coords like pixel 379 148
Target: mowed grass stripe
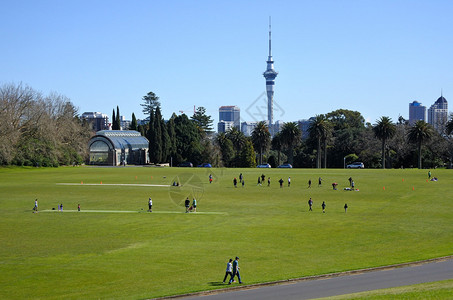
pixel 115 184
pixel 133 211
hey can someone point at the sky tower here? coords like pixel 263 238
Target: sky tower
pixel 270 75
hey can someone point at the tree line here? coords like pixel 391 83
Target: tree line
pixel 40 130
pixel 334 140
pixel 46 130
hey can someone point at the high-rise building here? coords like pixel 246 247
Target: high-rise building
pixel 229 116
pixel 97 120
pixel 417 112
pixel 270 75
pixel 438 114
pixel 248 127
pixel 224 126
pixel 304 125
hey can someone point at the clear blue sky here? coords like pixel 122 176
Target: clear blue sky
pixel 370 56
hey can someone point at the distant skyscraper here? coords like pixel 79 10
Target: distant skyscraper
pixel 416 112
pixel 248 127
pixel 438 114
pixel 97 120
pixel 229 116
pixel 270 75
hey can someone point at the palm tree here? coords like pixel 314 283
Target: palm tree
pixel 261 138
pixel 237 138
pixel 291 137
pixel 319 129
pixel 419 133
pixel 384 130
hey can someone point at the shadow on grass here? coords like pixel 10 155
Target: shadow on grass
pixel 217 283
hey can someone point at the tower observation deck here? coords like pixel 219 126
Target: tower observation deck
pixel 270 74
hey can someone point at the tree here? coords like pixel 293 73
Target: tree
pixel 133 125
pixel 113 120
pixel 226 148
pixel 38 130
pixel 118 120
pixel 261 138
pixel 247 155
pixel 344 118
pixel 384 130
pixel 151 102
pixel 291 137
pixel 449 126
pixel 203 121
pixel 171 137
pixel 237 138
pixel 319 129
pixel 188 141
pixel 419 133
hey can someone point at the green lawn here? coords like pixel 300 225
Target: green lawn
pixel 397 216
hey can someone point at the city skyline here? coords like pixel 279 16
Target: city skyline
pixel 369 57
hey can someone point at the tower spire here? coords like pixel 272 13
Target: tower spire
pixel 270 75
pixel 270 31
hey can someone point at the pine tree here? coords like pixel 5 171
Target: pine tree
pixel 133 123
pixel 158 135
pixel 113 120
pixel 118 121
pixel 150 137
pixel 171 137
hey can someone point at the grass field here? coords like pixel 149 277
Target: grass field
pixel 118 250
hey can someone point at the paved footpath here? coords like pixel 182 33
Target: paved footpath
pixel 344 284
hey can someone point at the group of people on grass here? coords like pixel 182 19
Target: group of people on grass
pixel 323 206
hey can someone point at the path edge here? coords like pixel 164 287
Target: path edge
pixel 307 278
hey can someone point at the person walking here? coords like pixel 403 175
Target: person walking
pixel 229 270
pixel 35 208
pixel 194 205
pixel 150 205
pixel 429 174
pixel 243 182
pixel 289 181
pixel 350 181
pixel 352 184
pixel 240 177
pixel 310 204
pixel 187 204
pixel 268 181
pixel 323 205
pixel 259 180
pixel 78 207
pixel 235 271
pixel 210 178
pixel 345 207
pixel 319 181
pixel 309 183
pixel 235 182
pixel 281 183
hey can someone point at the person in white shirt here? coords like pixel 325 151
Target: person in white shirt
pixel 229 270
pixel 150 205
pixel 35 209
